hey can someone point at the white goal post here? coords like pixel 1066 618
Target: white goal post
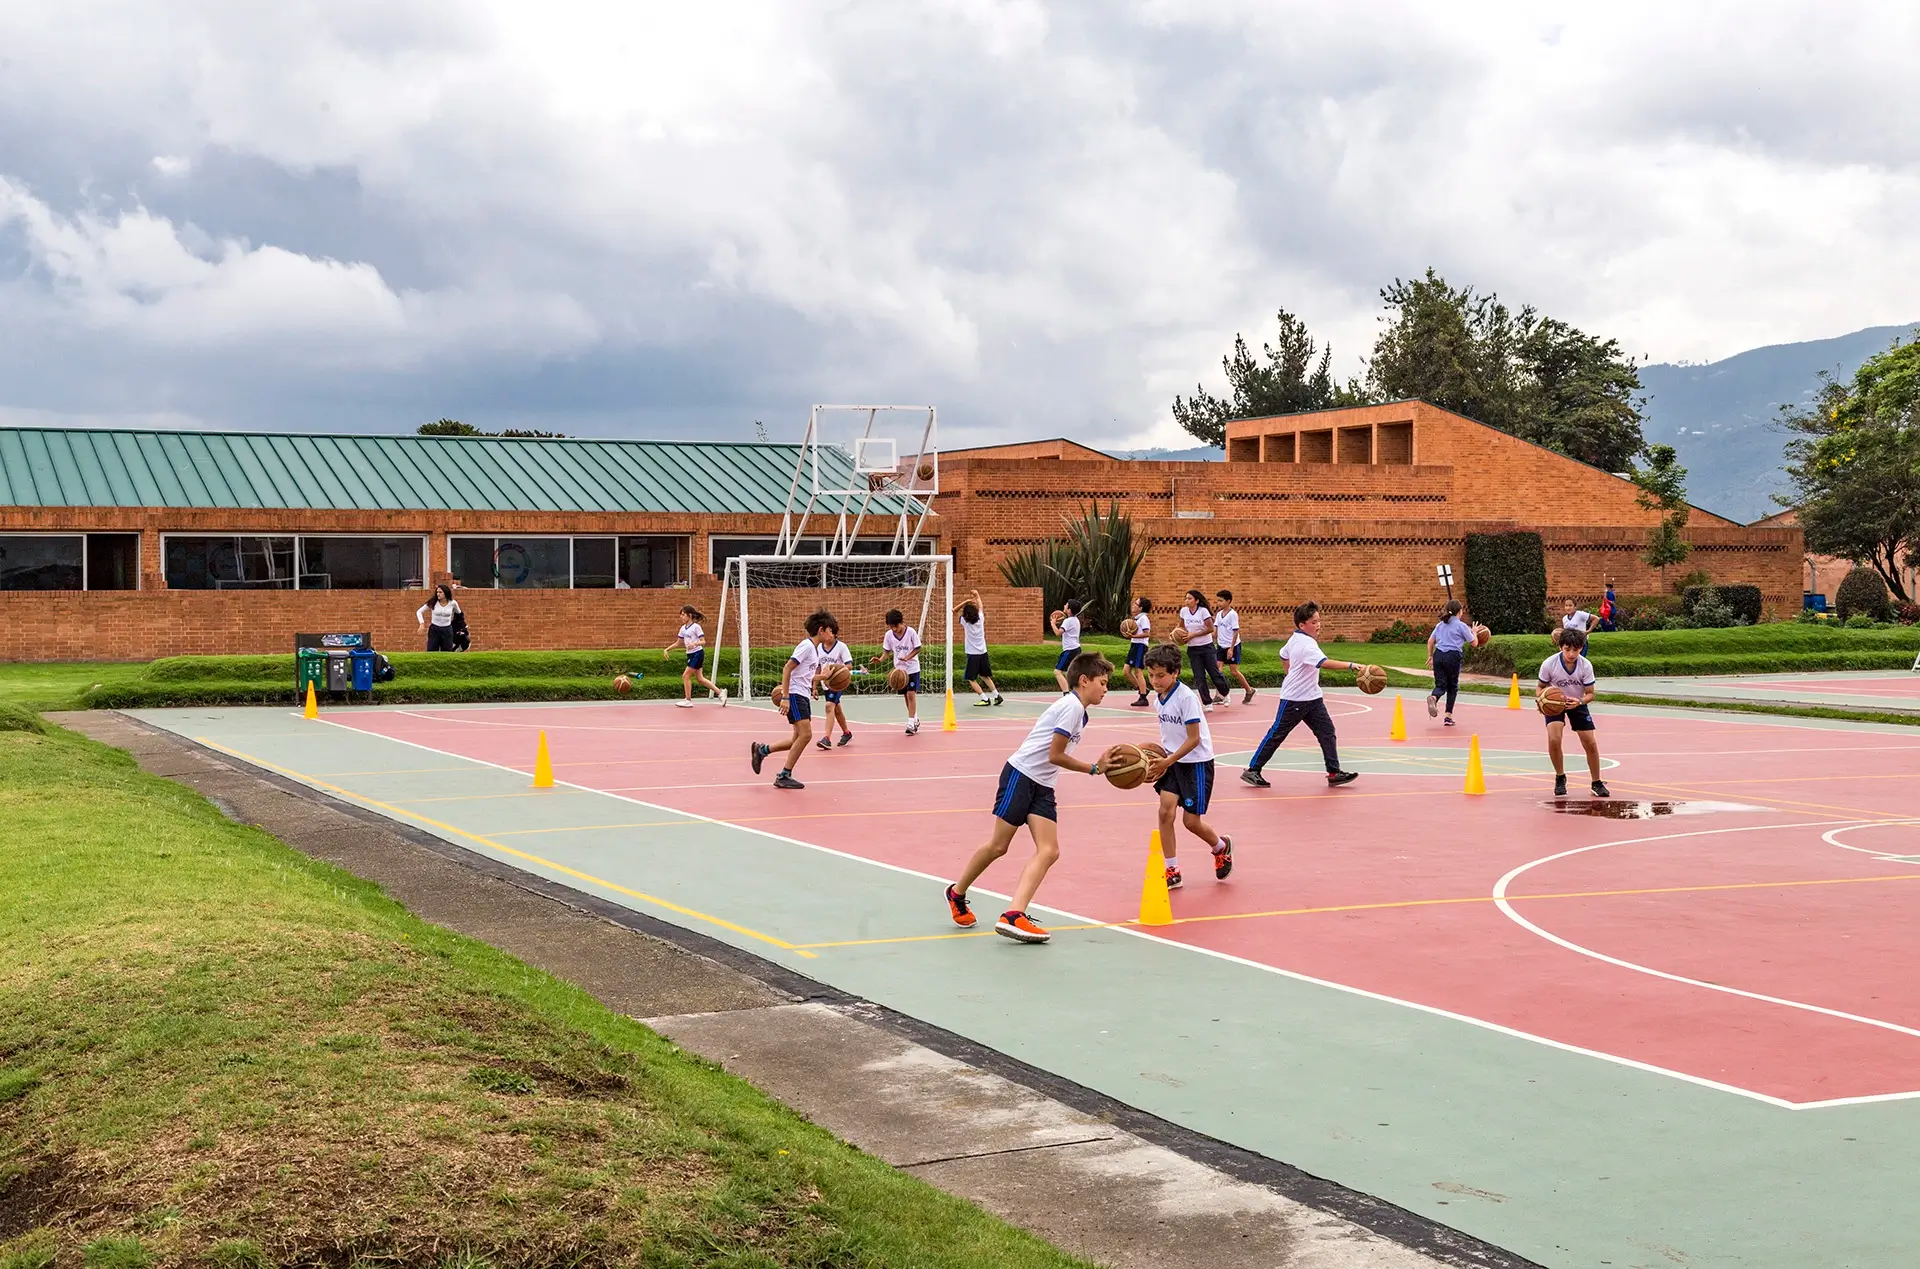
pixel 767 599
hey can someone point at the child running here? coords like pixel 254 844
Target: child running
pixel 1184 778
pixel 1572 673
pixel 1226 638
pixel 1025 796
pixel 1067 626
pixel 834 651
pixel 902 643
pixel 692 640
pixel 792 698
pixel 1302 701
pixel 1137 648
pixel 973 629
pixel 1444 650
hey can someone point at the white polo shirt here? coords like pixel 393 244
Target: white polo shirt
pixel 1033 759
pixel 1178 708
pixel 1195 622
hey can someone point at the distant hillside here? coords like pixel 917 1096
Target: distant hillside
pixel 1720 416
pixel 1198 454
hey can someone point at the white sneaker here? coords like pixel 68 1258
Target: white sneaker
pixel 723 698
pixel 1209 709
pixel 683 703
pixel 913 725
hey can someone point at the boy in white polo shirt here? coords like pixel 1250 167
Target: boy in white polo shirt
pixel 793 697
pixel 902 643
pixel 1025 796
pixel 1137 648
pixel 1226 637
pixel 1184 778
pixel 1572 673
pixel 973 630
pixel 1302 701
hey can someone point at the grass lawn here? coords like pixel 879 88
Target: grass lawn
pixel 214 1050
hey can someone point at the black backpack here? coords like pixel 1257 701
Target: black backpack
pixel 382 668
pixel 461 639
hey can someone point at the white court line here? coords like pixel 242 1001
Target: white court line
pixel 1832 835
pixel 1500 901
pixel 1129 932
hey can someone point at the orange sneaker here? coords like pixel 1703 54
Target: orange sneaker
pixel 1019 927
pixel 957 907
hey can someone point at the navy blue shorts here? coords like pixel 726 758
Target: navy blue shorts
pixel 1230 656
pixel 1191 782
pixel 1066 659
pixel 979 666
pixel 799 707
pixel 1580 718
pixel 696 658
pixel 1021 797
pixel 913 683
pixel 1137 655
pixel 832 698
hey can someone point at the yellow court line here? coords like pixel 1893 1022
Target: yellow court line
pixel 1400 903
pixel 392 809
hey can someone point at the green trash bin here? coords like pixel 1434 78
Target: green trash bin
pixel 309 667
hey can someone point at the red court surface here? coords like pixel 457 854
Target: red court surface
pixel 1903 685
pixel 1760 940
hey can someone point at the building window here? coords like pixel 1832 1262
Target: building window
pixel 228 563
pixel 556 563
pixel 113 561
pixel 361 563
pixel 593 560
pixel 43 563
pixel 651 562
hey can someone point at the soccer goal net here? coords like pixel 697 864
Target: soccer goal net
pixel 765 601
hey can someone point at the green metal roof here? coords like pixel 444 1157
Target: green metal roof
pixel 82 467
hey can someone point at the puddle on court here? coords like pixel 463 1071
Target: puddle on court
pixel 1623 809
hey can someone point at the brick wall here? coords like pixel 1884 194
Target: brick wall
pixel 142 625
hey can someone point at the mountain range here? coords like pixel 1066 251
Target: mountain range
pixel 1721 417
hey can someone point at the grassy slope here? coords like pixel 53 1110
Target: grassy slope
pixel 234 1054
pixel 1777 648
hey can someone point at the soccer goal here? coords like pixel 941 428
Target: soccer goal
pixel 766 600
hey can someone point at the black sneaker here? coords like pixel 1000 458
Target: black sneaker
pixel 785 780
pixel 1248 698
pixel 1559 786
pixel 846 738
pixel 825 742
pixel 1600 789
pixel 1223 858
pixel 1141 703
pixel 760 753
pixel 1337 778
pixel 999 699
pixel 1252 776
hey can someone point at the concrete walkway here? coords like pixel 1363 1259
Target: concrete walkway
pixel 1094 1177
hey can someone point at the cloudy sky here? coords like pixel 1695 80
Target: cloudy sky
pixel 671 219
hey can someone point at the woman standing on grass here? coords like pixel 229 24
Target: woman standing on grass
pixel 1444 650
pixel 436 618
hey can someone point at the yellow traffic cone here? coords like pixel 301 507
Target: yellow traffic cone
pixel 1399 730
pixel 1476 778
pixel 313 706
pixel 542 765
pixel 1513 693
pixel 1156 908
pixel 949 722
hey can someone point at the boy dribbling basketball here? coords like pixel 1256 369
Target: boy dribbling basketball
pixel 902 644
pixel 1184 778
pixel 1572 674
pixel 1302 701
pixel 834 651
pixel 1137 648
pixel 1025 796
pixel 793 697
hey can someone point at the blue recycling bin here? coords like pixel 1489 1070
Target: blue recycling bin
pixel 363 670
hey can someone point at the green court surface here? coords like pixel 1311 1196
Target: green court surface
pixel 1352 1002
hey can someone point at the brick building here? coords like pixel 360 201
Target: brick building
pixel 127 545
pixel 1824 573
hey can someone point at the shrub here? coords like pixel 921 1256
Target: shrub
pixel 1745 601
pixel 1864 591
pixel 1810 617
pixel 1709 611
pixel 1398 632
pixel 1678 623
pixel 1045 565
pixel 1692 578
pixel 1907 614
pixel 1096 564
pixel 1859 621
pixel 1507 581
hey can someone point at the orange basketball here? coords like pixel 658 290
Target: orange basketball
pixel 926 471
pixel 779 696
pixel 1129 627
pixel 1550 702
pixel 1124 766
pixel 896 679
pixel 622 684
pixel 1153 753
pixel 837 677
pixel 1480 635
pixel 1181 634
pixel 1370 678
pixel 1057 616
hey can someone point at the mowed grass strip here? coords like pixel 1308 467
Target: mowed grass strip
pixel 214 1050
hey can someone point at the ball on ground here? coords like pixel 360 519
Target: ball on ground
pixel 622 684
pixel 1550 701
pixel 1480 635
pixel 836 677
pixel 1370 678
pixel 896 679
pixel 1124 766
pixel 1129 627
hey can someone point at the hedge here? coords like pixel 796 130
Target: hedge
pixel 1507 581
pixel 1781 647
pixel 1864 591
pixel 1745 600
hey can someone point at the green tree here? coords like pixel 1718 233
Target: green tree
pixel 1535 377
pixel 1853 465
pixel 1663 488
pixel 1287 380
pixel 449 427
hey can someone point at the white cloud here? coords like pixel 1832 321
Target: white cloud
pixel 1048 218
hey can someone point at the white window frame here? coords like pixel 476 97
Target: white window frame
pixel 926 546
pixel 139 579
pixel 569 538
pixel 675 538
pixel 426 547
